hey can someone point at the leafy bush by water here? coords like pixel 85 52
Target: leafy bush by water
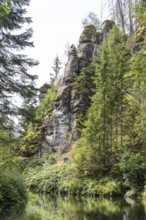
pixel 12 189
pixel 62 179
pixel 133 168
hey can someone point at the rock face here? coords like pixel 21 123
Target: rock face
pixel 43 91
pixel 87 46
pixel 106 27
pixel 60 129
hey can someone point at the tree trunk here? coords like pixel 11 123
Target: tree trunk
pixel 130 16
pixel 121 13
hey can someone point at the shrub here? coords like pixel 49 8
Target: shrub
pixel 12 189
pixel 133 167
pixel 48 179
pixel 62 180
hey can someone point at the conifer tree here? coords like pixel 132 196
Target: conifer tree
pixel 4 7
pixel 138 94
pixel 102 136
pixel 56 69
pixel 14 76
pixel 141 12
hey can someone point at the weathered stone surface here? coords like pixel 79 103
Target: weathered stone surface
pixel 43 91
pixel 71 68
pixel 60 129
pixel 107 25
pixel 57 131
pixel 88 34
pixel 87 46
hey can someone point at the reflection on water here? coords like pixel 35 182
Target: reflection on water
pixel 73 208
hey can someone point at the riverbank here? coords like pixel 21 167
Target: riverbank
pixel 62 179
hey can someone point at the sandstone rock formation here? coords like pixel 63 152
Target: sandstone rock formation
pixel 43 91
pixel 59 130
pixel 106 27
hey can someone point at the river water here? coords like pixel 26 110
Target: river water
pixel 75 208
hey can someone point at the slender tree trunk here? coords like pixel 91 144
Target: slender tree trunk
pixel 130 10
pixel 139 91
pixel 121 121
pixel 111 136
pixel 116 130
pixel 121 13
pixel 104 127
pixel 113 11
pixel 136 2
pixel 101 14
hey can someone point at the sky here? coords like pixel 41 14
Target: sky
pixel 56 23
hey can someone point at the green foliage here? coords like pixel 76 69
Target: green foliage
pixel 141 12
pixel 62 179
pixel 116 118
pixel 29 142
pixel 30 135
pixel 9 159
pixel 47 180
pixel 4 8
pixel 48 159
pixel 14 77
pixel 84 88
pixel 35 163
pixel 84 81
pixel 138 69
pixel 102 136
pixel 45 108
pixel 30 138
pixel 28 113
pixel 12 189
pixel 91 187
pixel 133 167
pixel 56 69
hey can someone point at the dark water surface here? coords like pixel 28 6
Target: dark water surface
pixel 73 208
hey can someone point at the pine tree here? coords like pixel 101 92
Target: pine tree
pixel 56 69
pixel 141 12
pixel 8 155
pixel 102 137
pixel 4 7
pixel 138 93
pixel 14 76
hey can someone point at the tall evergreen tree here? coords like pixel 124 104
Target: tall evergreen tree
pixel 103 134
pixel 56 69
pixel 8 142
pixel 138 94
pixel 14 76
pixel 141 12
